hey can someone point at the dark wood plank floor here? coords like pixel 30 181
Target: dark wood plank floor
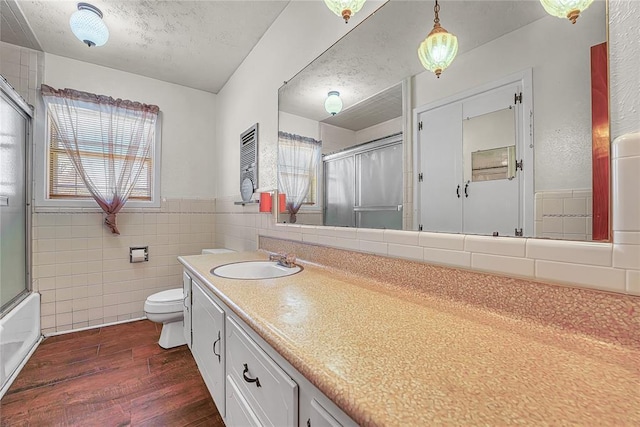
pixel 112 376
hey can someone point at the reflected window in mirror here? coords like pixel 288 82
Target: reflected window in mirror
pixel 298 160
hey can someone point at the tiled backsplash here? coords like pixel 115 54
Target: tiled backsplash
pixel 613 318
pixel 564 214
pixel 83 271
pixel 237 224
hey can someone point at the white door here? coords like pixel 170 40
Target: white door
pixel 440 154
pixel 491 148
pixel 208 345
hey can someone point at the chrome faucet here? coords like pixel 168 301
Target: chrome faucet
pixel 285 260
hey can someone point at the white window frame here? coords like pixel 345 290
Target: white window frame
pixel 41 171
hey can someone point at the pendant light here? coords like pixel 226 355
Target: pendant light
pixel 438 50
pixel 87 25
pixel 333 103
pixel 566 8
pixel 345 8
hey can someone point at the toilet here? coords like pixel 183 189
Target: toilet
pixel 167 307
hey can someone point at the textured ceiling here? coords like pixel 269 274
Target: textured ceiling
pixel 198 44
pixel 379 108
pixel 381 51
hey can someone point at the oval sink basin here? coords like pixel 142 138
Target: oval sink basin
pixel 254 270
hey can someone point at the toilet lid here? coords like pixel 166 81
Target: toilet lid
pixel 172 295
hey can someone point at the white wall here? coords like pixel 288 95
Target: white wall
pixel 188 120
pixel 624 67
pixel 303 31
pixel 81 270
pixel 298 125
pixel 560 57
pixel 380 130
pixel 335 138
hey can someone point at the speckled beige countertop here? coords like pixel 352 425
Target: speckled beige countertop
pixel 397 359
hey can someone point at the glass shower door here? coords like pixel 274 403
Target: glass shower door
pixel 13 201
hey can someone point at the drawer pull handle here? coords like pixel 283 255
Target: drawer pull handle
pixel 214 347
pixel 250 380
pixel 184 301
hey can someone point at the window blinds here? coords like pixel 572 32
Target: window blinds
pixel 95 143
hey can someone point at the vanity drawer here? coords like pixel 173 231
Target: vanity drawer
pixel 238 411
pixel 269 391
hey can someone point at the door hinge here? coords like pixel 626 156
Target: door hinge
pixel 519 165
pixel 517 97
pixel 420 177
pixel 420 125
pixel 420 227
pixel 519 232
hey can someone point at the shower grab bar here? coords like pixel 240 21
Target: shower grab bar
pixel 394 208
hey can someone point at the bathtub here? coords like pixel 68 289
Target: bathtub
pixel 19 337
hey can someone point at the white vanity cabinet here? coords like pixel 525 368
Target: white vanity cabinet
pixel 186 311
pixel 251 384
pixel 208 347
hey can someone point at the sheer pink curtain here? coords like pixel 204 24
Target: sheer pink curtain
pixel 125 139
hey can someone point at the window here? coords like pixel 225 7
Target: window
pixel 292 171
pixel 63 184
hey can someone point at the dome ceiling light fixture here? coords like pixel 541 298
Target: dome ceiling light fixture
pixel 333 103
pixel 87 25
pixel 569 9
pixel 439 48
pixel 345 8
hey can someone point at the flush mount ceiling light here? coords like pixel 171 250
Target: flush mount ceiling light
pixel 438 50
pixel 87 25
pixel 333 103
pixel 566 8
pixel 345 8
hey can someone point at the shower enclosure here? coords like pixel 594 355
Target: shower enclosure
pixel 19 309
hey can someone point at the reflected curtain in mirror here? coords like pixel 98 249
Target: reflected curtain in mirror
pixel 103 142
pixel 298 158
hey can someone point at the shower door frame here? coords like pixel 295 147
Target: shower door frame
pixel 14 97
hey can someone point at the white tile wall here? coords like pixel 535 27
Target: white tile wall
pixel 564 214
pixel 23 68
pixel 83 272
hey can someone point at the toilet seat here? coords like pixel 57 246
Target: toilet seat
pixel 165 302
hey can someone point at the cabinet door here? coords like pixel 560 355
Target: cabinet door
pixel 208 343
pixel 320 417
pixel 186 292
pixel 239 414
pixel 440 147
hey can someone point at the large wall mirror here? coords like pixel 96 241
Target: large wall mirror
pixel 511 140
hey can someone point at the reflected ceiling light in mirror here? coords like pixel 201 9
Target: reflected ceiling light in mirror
pixel 333 103
pixel 345 8
pixel 437 51
pixel 87 25
pixel 566 8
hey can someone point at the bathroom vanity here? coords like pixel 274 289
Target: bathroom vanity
pixel 250 383
pixel 328 348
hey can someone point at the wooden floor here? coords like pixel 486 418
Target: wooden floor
pixel 112 376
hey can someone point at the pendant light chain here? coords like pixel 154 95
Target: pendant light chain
pixel 436 9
